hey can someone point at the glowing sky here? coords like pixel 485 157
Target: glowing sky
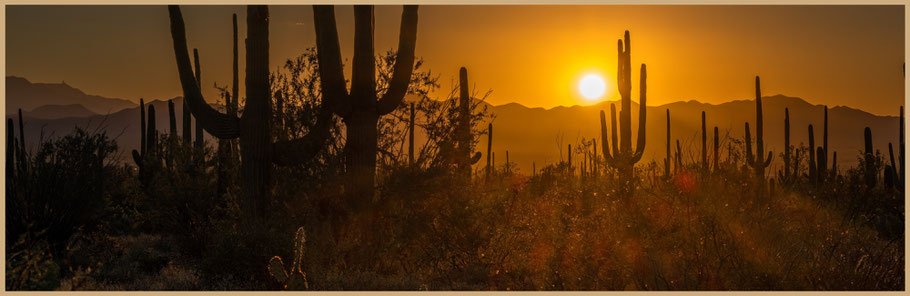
pixel 532 55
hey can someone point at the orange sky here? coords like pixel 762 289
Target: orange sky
pixel 533 55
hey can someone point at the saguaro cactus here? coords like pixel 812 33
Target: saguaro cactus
pixel 464 139
pixel 293 278
pixel 253 128
pixel 704 142
pixel 149 139
pixel 758 163
pixel 812 165
pixel 666 160
pixel 824 147
pixel 901 176
pixel 821 164
pixel 362 107
pixel 10 150
pixel 785 177
pixel 623 158
pixel 172 120
pixel 716 148
pixel 869 164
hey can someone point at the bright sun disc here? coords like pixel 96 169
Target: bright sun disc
pixel 592 86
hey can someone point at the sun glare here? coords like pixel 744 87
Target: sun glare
pixel 592 87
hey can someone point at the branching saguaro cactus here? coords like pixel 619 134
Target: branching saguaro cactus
pixel 361 108
pixel 149 138
pixel 464 140
pixel 253 128
pixel 623 158
pixel 757 162
pixel 293 278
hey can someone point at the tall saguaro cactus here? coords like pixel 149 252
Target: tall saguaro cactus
pixel 785 177
pixel 464 143
pixel 824 173
pixel 623 158
pixel 253 129
pixel 716 148
pixel 758 162
pixel 361 108
pixel 900 158
pixel 666 160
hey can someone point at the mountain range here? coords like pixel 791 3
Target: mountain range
pixel 530 135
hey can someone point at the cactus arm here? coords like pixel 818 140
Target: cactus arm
pixel 328 52
pixel 474 159
pixel 137 158
pixel 276 269
pixel 216 123
pixel 642 115
pixel 296 151
pixel 768 160
pixel 605 144
pixel 197 67
pixel 404 62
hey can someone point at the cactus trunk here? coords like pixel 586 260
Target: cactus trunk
pixel 716 148
pixel 787 149
pixel 624 158
pixel 812 165
pixel 869 164
pixel 704 143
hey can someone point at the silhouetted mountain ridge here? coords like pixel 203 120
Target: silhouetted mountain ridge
pixel 21 93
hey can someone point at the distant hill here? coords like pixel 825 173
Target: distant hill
pixel 21 93
pixel 530 134
pixel 58 111
pixel 122 125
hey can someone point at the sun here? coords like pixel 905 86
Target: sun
pixel 592 86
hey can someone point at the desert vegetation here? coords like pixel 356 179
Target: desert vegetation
pixel 316 183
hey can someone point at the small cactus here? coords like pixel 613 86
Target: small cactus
pixel 292 278
pixel 812 171
pixel 489 148
pixel 704 142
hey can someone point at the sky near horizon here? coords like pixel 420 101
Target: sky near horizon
pixel 531 55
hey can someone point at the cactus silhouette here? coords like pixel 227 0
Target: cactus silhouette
pixel 411 137
pixel 716 147
pixel 666 160
pixel 464 140
pixel 834 164
pixel 623 158
pixel 812 165
pixel 784 177
pixel 757 162
pixel 704 143
pixel 172 120
pixel 678 157
pixel 291 277
pixel 821 165
pixel 253 129
pixel 362 107
pixel 891 171
pixel 900 158
pixel 148 139
pixel 869 164
pixel 824 172
pixel 571 169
